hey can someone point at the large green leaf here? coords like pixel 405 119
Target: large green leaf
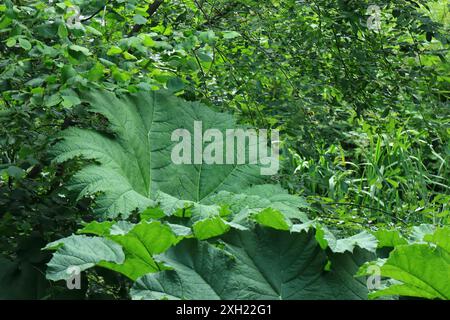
pixel 136 163
pixel 441 238
pixel 423 272
pixel 419 269
pixel 201 272
pixel 257 264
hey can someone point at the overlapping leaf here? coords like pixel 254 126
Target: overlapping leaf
pixel 81 252
pixel 258 264
pixel 138 244
pixel 363 240
pixel 269 205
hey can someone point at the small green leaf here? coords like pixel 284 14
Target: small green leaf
pixel 207 36
pixel 422 271
pixel 62 31
pixel 4 22
pixel 53 100
pixel 389 238
pixel 97 228
pixel 93 31
pixel 272 218
pixel 129 56
pixel 175 84
pixel 147 40
pixel 96 73
pixel 67 72
pixel 204 57
pixel 24 44
pixel 138 19
pixel 140 243
pixel 15 172
pixel 120 75
pixel 11 42
pixel 70 101
pixel 231 34
pixel 210 227
pixel 114 50
pixel 81 49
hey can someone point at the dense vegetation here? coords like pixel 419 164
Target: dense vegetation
pixel 91 91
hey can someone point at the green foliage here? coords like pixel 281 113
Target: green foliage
pixel 256 264
pixel 363 116
pixel 241 262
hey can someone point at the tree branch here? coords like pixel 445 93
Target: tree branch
pixel 150 11
pixel 96 12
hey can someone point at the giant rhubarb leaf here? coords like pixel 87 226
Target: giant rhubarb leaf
pixel 418 269
pixel 136 163
pixel 81 252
